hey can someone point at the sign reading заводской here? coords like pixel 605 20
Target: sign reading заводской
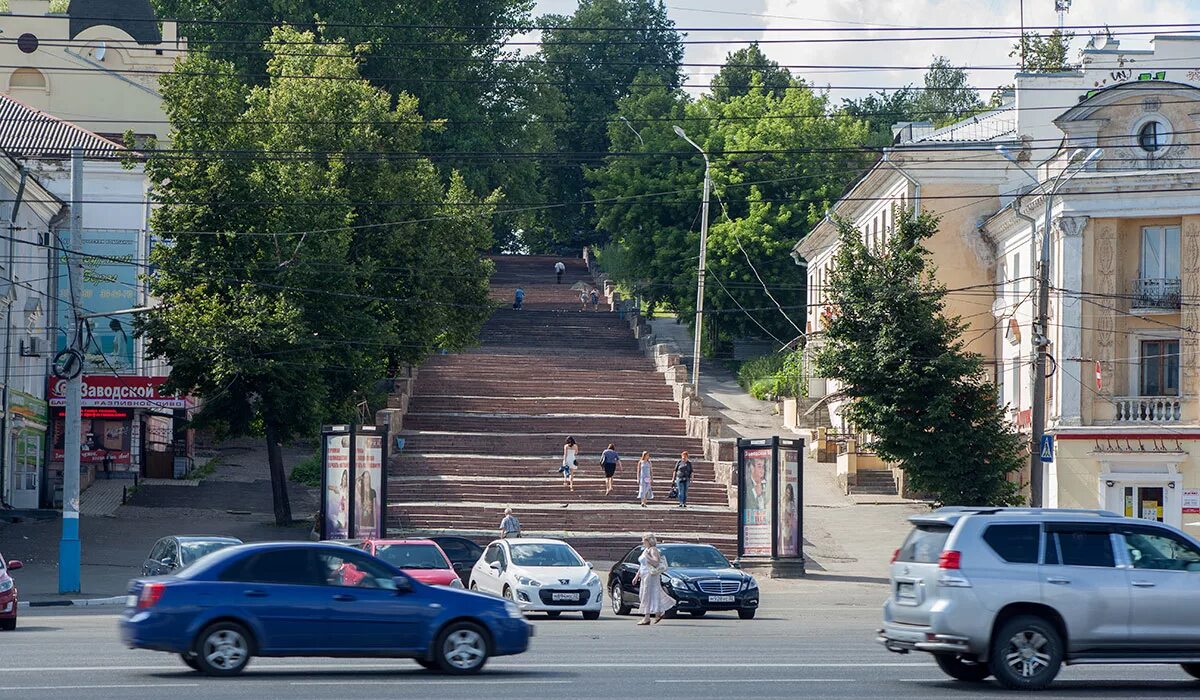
pixel 119 392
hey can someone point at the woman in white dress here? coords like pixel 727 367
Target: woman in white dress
pixel 645 481
pixel 569 465
pixel 651 596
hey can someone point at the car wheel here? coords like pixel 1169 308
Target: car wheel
pixel 9 624
pixel 553 613
pixel 461 648
pixel 697 613
pixel 591 614
pixel 1026 653
pixel 962 669
pixel 190 661
pixel 614 597
pixel 1192 670
pixel 747 613
pixel 223 649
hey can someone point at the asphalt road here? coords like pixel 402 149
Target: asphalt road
pixel 824 650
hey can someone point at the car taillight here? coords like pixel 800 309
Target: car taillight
pixel 950 559
pixel 151 593
pixel 895 555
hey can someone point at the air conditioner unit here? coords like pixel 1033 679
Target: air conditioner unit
pixel 29 348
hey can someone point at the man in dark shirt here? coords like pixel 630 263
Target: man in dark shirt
pixel 683 476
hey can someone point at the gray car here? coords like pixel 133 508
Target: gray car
pixel 173 553
pixel 1016 593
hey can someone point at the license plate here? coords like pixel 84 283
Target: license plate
pixel 720 599
pixel 565 596
pixel 131 601
pixel 906 590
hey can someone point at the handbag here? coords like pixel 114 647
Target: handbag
pixel 673 493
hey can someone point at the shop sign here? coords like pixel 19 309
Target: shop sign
pixel 28 407
pixel 119 392
pixel 1191 500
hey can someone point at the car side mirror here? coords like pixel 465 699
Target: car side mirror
pixel 495 565
pixel 590 565
pixel 737 565
pixel 15 564
pixel 403 584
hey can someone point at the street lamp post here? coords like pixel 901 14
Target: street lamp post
pixel 703 262
pixel 1041 331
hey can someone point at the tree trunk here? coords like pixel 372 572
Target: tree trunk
pixel 279 493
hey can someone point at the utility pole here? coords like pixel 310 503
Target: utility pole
pixel 70 552
pixel 699 332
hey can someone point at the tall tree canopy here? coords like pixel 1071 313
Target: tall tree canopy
pixel 947 96
pixel 1048 53
pixel 291 283
pixel 745 67
pixel 911 384
pixel 597 55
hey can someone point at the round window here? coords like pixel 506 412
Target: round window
pixel 1151 137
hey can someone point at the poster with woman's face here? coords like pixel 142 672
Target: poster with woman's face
pixel 789 504
pixel 756 503
pixel 368 463
pixel 336 500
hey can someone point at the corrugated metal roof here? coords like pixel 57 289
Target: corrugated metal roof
pixel 26 132
pixel 989 126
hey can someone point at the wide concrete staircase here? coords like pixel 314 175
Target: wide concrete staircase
pixel 485 429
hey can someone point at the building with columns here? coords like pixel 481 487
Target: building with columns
pixel 1123 394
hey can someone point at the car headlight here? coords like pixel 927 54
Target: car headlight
pixel 512 610
pixel 526 581
pixel 749 584
pixel 592 580
pixel 456 583
pixel 675 582
pixel 6 585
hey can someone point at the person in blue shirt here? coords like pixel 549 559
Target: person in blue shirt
pixel 518 298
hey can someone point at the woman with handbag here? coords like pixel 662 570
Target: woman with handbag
pixel 653 600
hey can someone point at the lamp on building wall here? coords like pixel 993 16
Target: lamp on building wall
pixel 1110 483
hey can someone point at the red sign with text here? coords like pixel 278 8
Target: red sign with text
pixel 119 392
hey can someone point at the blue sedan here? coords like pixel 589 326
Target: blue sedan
pixel 313 599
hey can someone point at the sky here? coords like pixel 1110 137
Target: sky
pixel 989 48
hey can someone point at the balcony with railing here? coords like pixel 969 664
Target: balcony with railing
pixel 1158 294
pixel 1144 410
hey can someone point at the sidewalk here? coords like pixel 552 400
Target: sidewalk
pixel 234 501
pixel 843 540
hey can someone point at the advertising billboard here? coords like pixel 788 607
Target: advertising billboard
pixel 337 486
pixel 788 536
pixel 119 392
pixel 757 521
pixel 111 261
pixel 368 462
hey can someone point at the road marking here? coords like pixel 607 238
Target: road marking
pixel 761 680
pixel 510 666
pixel 480 679
pixel 100 687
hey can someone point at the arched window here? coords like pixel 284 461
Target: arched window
pixel 1151 136
pixel 27 78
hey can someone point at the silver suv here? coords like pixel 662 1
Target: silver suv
pixel 1016 592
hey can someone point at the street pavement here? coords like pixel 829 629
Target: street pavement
pixel 813 639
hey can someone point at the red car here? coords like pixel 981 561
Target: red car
pixel 424 560
pixel 8 595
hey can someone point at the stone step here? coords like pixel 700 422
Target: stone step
pixel 536 405
pixel 551 373
pixel 630 446
pixel 661 516
pixel 562 425
pixel 530 388
pixel 412 464
pixel 588 491
pixel 593 547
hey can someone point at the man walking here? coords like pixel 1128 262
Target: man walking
pixel 595 300
pixel 509 526
pixel 518 299
pixel 683 476
pixel 559 269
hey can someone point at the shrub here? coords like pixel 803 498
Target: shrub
pixel 773 376
pixel 308 471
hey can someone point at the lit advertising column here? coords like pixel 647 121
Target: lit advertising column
pixel 353 482
pixel 770 498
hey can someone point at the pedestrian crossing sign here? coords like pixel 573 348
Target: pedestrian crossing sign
pixel 1047 448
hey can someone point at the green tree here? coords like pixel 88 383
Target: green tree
pixel 911 384
pixel 451 55
pixel 744 68
pixel 880 110
pixel 1044 54
pixel 596 55
pixel 947 96
pixel 289 285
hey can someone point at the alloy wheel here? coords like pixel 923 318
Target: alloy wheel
pixel 464 649
pixel 614 597
pixel 1027 653
pixel 225 649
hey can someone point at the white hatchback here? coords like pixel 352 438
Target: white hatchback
pixel 539 575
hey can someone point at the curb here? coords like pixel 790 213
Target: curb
pixel 83 602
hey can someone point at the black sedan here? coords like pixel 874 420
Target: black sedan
pixel 170 554
pixel 463 553
pixel 698 576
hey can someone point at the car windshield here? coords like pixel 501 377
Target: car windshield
pixel 412 556
pixel 191 551
pixel 544 555
pixel 695 558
